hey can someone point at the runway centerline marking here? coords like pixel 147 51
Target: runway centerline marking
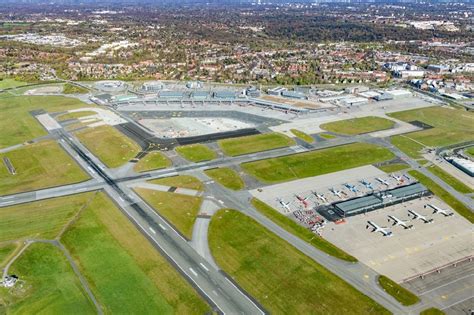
pixel 194 272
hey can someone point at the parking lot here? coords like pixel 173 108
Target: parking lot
pixel 408 252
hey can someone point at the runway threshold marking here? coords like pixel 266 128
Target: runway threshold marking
pixel 194 272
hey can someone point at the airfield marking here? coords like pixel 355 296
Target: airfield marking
pixel 152 231
pixel 445 284
pixel 162 226
pixel 194 272
pixel 204 266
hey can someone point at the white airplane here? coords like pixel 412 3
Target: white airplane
pixel 376 228
pixel 320 197
pixel 418 216
pixel 406 177
pixel 285 205
pixel 397 178
pixel 383 181
pixel 439 210
pixel 396 221
pixel 367 184
pixel 335 192
pixel 351 187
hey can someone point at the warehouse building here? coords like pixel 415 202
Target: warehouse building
pixel 152 87
pixel 380 200
pixel 467 166
pixel 293 94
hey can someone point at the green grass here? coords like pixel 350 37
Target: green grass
pixel 179 210
pixel 450 180
pixel 227 177
pixel 470 151
pixel 401 294
pixel 303 136
pixel 180 181
pixel 444 195
pixel 281 278
pixel 393 167
pixel 112 147
pixel 18 125
pixel 255 143
pixel 74 89
pixel 315 163
pixel 41 219
pixel 300 231
pixel 125 272
pixel 450 125
pixel 10 83
pixel 432 311
pixel 407 145
pixel 75 115
pixel 50 285
pixel 152 161
pixel 327 136
pixel 196 152
pixel 40 165
pixel 5 251
pixel 358 126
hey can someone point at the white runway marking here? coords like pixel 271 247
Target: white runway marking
pixel 152 231
pixel 204 266
pixel 162 226
pixel 194 272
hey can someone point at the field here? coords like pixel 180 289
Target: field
pixel 395 167
pixel 303 136
pixel 281 278
pixel 179 210
pixel 470 151
pixel 300 231
pixel 327 136
pixel 450 125
pixel 20 125
pixel 450 180
pixel 401 294
pixel 255 143
pixel 5 251
pixel 444 195
pixel 40 165
pixel 227 177
pixel 152 161
pixel 181 181
pixel 407 145
pixel 74 89
pixel 196 152
pixel 432 311
pixel 126 273
pixel 10 83
pixel 315 163
pixel 50 285
pixel 358 126
pixel 111 146
pixel 74 115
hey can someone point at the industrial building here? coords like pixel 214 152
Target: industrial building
pixel 397 94
pixel 224 94
pixel 152 87
pixel 276 91
pixel 353 101
pixel 465 165
pixel 293 94
pixel 171 94
pixel 380 200
pixel 252 92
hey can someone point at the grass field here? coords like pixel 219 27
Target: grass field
pixel 255 143
pixel 196 152
pixel 41 220
pixel 111 146
pixel 301 232
pixel 5 251
pixel 432 311
pixel 444 195
pixel 182 181
pixel 470 151
pixel 358 126
pixel 152 161
pixel 303 136
pixel 75 115
pixel 125 272
pixel 180 210
pixel 401 294
pixel 394 167
pixel 18 125
pixel 10 83
pixel 450 180
pixel 281 278
pixel 318 162
pixel 227 177
pixel 40 165
pixel 50 285
pixel 327 136
pixel 450 126
pixel 74 89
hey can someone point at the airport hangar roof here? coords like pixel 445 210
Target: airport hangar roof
pixel 407 191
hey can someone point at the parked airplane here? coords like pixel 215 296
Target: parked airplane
pixel 304 200
pixel 285 205
pixel 397 221
pixel 406 177
pixel 351 187
pixel 367 184
pixel 397 178
pixel 419 216
pixel 383 181
pixel 335 192
pixel 376 228
pixel 439 210
pixel 320 197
